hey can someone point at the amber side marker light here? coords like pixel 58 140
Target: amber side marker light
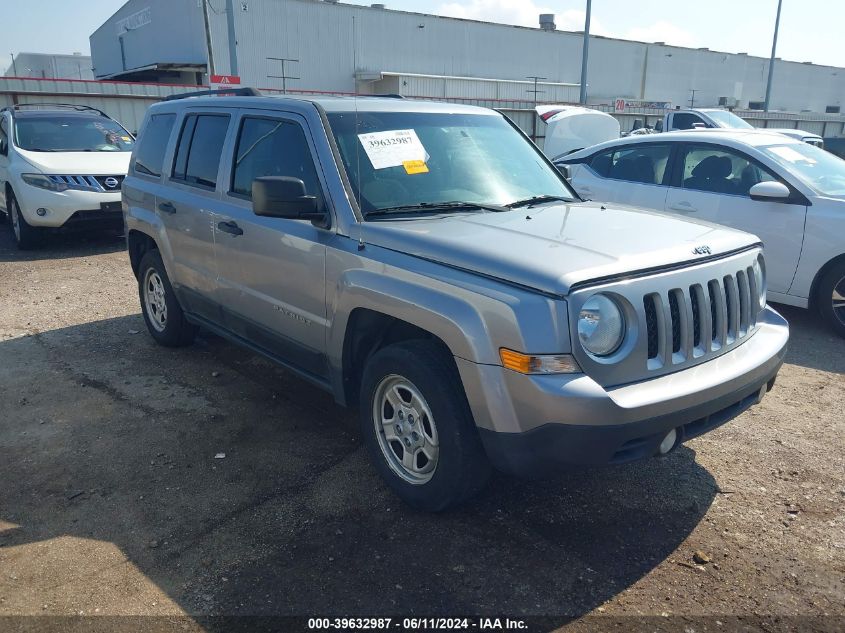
pixel 538 364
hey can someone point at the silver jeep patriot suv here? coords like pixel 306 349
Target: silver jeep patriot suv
pixel 426 263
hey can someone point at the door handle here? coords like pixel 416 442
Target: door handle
pixel 231 228
pixel 166 207
pixel 683 206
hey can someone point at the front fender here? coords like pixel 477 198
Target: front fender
pixel 472 315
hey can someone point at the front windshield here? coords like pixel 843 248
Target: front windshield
pixel 71 133
pixel 816 167
pixel 398 159
pixel 729 120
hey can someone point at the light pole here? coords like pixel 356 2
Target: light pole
pixel 772 59
pixel 585 54
pixel 230 24
pixel 208 43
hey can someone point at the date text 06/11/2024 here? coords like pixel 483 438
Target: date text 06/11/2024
pixel 417 624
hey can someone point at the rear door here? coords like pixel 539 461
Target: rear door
pixel 187 207
pixel 4 158
pixel 634 174
pixel 711 182
pixel 272 270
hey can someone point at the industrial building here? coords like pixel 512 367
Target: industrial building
pixel 323 45
pixel 49 66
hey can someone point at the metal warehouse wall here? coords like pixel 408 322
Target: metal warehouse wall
pixel 336 42
pixel 151 32
pixel 43 66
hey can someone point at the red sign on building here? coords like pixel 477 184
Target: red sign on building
pixel 225 80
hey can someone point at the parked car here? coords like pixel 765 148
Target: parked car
pixel 60 165
pixel 789 193
pixel 710 118
pixel 426 263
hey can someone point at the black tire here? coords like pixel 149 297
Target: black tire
pixel 24 234
pixel 462 468
pixel 833 282
pixel 173 330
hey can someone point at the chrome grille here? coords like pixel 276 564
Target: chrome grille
pixel 88 183
pixel 693 322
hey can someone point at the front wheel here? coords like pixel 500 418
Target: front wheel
pixel 418 427
pixel 26 236
pixel 162 313
pixel 830 298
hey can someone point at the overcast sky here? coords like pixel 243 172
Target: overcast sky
pixel 811 30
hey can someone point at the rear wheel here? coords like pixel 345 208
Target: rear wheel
pixel 162 313
pixel 418 427
pixel 26 236
pixel 830 298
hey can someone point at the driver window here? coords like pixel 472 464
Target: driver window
pixel 272 147
pixel 718 170
pixel 685 121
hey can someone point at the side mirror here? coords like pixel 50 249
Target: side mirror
pixel 771 191
pixel 284 197
pixel 564 171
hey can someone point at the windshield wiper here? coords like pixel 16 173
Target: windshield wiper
pixel 435 207
pixel 530 202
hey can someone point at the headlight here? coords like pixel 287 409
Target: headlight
pixel 601 325
pixel 42 182
pixel 759 268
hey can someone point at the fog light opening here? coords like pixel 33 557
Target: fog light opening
pixel 668 442
pixel 41 212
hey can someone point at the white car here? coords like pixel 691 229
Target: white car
pixel 789 193
pixel 60 165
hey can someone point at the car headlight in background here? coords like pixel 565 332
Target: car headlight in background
pixel 601 325
pixel 43 182
pixel 759 269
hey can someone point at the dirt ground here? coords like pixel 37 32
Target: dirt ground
pixel 113 502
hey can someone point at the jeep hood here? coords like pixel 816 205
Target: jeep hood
pixel 551 248
pixel 79 163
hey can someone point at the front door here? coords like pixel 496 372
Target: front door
pixel 712 183
pixel 271 271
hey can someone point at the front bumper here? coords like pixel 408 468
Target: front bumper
pixel 533 424
pixel 69 207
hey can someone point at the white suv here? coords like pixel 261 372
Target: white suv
pixel 60 165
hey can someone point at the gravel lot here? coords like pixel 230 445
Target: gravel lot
pixel 112 501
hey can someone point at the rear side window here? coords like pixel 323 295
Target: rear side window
pixel 199 150
pixel 638 163
pixel 272 147
pixel 149 157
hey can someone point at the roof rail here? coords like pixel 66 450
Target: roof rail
pixel 69 106
pixel 241 92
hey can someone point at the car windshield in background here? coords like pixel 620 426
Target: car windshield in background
pixel 401 160
pixel 816 167
pixel 71 134
pixel 729 120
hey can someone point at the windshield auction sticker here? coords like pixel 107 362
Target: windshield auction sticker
pixel 393 148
